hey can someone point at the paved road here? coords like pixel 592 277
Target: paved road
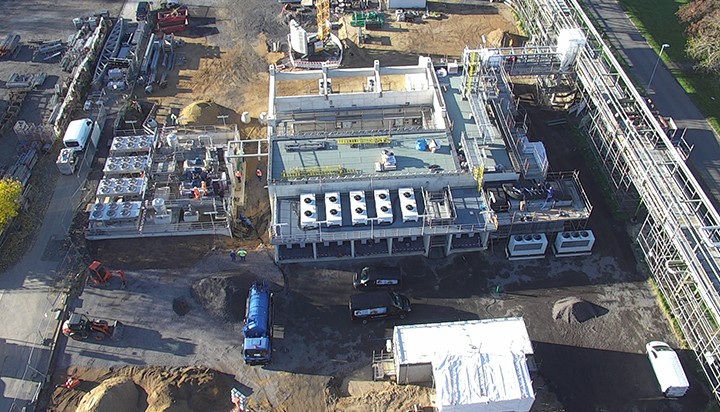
pixel 668 95
pixel 28 324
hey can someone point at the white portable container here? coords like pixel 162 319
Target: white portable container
pixel 668 370
pixel 66 161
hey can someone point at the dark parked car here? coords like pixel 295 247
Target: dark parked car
pixel 370 278
pixel 377 305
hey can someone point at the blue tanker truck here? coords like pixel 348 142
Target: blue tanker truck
pixel 258 329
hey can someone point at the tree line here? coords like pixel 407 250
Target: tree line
pixel 703 30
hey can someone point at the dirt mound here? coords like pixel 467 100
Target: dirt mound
pixel 115 394
pixel 204 113
pixel 152 389
pixel 387 397
pixel 222 297
pixel 581 310
pixel 495 38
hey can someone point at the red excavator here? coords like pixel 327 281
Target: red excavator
pixel 99 274
pixel 80 327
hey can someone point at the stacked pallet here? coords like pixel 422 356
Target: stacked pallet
pixel 9 44
pixel 21 170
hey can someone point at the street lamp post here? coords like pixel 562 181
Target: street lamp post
pixel 652 76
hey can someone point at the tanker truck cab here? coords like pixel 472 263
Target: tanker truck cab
pixel 380 304
pixel 668 370
pixel 79 133
pixel 258 329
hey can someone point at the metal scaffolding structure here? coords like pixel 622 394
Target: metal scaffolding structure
pixel 487 86
pixel 680 235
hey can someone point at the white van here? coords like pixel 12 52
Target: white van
pixel 79 132
pixel 668 370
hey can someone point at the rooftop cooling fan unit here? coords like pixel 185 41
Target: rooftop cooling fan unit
pixel 308 213
pixel 333 211
pixel 358 197
pixel 359 210
pixel 333 199
pixel 308 200
pixel 382 196
pixel 407 194
pixel 384 208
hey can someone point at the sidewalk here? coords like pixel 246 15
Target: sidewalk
pixel 27 329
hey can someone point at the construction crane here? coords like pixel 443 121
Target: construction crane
pixel 323 20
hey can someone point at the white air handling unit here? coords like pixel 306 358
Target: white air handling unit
pixel 408 204
pixel 333 209
pixel 308 211
pixel 575 243
pixel 358 207
pixel 383 206
pixel 530 246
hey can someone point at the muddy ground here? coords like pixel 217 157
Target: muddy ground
pixel 321 358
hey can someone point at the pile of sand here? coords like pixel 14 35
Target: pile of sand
pixel 115 394
pixel 205 113
pixel 387 397
pixel 151 389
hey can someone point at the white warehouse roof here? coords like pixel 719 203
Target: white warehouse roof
pixel 424 343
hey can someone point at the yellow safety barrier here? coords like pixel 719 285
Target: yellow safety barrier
pixel 364 140
pixel 317 171
pixel 478 173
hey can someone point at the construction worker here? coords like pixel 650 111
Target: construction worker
pixel 258 173
pixel 242 253
pixel 239 176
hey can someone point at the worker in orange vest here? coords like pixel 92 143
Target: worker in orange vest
pixel 239 176
pixel 258 173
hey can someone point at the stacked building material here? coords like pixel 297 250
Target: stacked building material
pixel 9 44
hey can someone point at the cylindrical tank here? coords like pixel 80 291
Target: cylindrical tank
pixel 172 141
pixel 258 311
pixel 263 118
pixel 245 117
pixel 159 206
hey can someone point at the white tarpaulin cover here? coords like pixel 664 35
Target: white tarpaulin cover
pixel 477 365
pixel 482 382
